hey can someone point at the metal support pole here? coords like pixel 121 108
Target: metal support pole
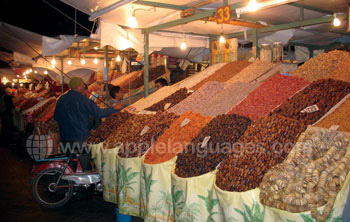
pixel 255 42
pixel 146 61
pixel 311 53
pixel 62 77
pixel 301 18
pixel 106 70
pixel 211 40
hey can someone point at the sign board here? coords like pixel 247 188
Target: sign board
pixel 223 14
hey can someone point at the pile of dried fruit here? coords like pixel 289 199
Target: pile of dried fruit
pixel 339 117
pixel 128 132
pixel 311 176
pixel 45 112
pixel 153 74
pixel 198 100
pixel 108 127
pixel 252 72
pixel 224 73
pixel 268 96
pixel 42 109
pixel 342 72
pixel 199 158
pixel 265 143
pixel 153 128
pixel 173 99
pixel 175 139
pixel 321 66
pixel 324 93
pixel 227 98
pixel 28 104
pixel 52 126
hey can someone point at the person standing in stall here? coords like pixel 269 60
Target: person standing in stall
pixel 6 107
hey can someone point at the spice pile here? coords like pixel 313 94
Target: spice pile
pixel 108 127
pixel 252 72
pixel 199 158
pixel 227 98
pixel 153 74
pixel 198 100
pixel 224 73
pixel 324 93
pixel 173 99
pixel 342 72
pixel 339 117
pixel 128 133
pixel 175 139
pixel 153 129
pixel 265 143
pixel 268 96
pixel 311 176
pixel 321 66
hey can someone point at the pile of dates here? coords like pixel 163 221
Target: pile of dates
pixel 173 99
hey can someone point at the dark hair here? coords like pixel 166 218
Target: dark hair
pixel 114 90
pixel 162 81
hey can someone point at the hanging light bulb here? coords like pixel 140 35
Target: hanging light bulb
pixel 96 61
pixel 17 76
pixel 13 84
pixel 53 61
pixel 46 72
pixel 118 59
pixel 222 39
pixel 253 5
pixel 69 62
pixel 30 70
pixel 21 84
pixel 183 45
pixel 132 22
pixel 336 21
pixel 83 61
pixel 35 71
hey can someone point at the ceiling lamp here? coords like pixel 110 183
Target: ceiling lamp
pixel 132 22
pixel 36 72
pixel 21 84
pixel 183 45
pixel 336 21
pixel 253 6
pixel 69 62
pixel 96 61
pixel 222 39
pixel 53 61
pixel 46 72
pixel 118 59
pixel 83 61
pixel 13 84
pixel 17 76
pixel 30 70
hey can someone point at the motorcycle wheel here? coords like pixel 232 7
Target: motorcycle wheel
pixel 45 193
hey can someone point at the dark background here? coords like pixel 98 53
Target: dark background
pixel 39 17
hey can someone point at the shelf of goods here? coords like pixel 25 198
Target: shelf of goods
pixel 250 165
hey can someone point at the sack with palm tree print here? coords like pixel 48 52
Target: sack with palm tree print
pixel 109 174
pixel 95 150
pixel 128 190
pixel 240 206
pixel 156 200
pixel 274 215
pixel 194 199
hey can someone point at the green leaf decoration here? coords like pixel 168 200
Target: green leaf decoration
pixel 243 214
pixel 307 218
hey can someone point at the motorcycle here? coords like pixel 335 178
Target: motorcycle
pixel 58 178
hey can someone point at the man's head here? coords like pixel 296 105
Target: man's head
pixel 116 93
pixel 8 91
pixel 160 83
pixel 77 84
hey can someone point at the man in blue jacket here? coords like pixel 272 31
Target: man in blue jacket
pixel 72 114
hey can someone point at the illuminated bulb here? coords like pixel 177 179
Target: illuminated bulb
pixel 53 66
pixel 222 39
pixel 336 21
pixel 46 72
pixel 183 45
pixel 35 71
pixel 17 76
pixel 21 84
pixel 69 62
pixel 118 59
pixel 26 77
pixel 30 70
pixel 96 61
pixel 132 22
pixel 83 61
pixel 95 47
pixel 13 83
pixel 253 5
pixel 53 61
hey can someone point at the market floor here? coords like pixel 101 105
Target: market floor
pixel 18 204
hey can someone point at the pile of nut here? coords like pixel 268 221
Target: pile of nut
pixel 173 99
pixel 265 143
pixel 153 128
pixel 153 74
pixel 175 139
pixel 312 174
pixel 108 127
pixel 225 73
pixel 199 158
pixel 198 100
pixel 324 93
pixel 342 72
pixel 268 96
pixel 321 66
